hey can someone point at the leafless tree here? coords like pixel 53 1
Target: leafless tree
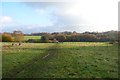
pixel 18 36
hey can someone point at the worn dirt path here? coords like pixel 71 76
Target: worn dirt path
pixel 49 54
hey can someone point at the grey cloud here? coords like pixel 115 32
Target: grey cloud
pixel 61 20
pixel 44 4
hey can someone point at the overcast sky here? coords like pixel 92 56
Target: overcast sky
pixel 80 16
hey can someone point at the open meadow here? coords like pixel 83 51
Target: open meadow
pixel 60 60
pixel 31 37
pixel 66 39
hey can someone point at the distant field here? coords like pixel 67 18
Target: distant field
pixel 31 37
pixel 62 60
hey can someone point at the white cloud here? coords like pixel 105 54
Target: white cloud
pixel 100 15
pixel 5 20
pixel 84 15
pixel 40 11
pixel 96 15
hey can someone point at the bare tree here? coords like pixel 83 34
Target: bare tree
pixel 18 36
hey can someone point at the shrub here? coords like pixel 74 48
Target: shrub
pixel 60 38
pixel 6 38
pixel 44 39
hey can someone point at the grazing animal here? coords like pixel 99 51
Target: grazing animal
pixel 12 44
pixel 19 44
pixel 55 41
pixel 15 44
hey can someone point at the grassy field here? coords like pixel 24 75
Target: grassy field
pixel 31 37
pixel 60 60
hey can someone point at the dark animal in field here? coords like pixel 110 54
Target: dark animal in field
pixel 12 44
pixel 19 44
pixel 16 44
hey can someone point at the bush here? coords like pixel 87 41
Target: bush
pixel 60 38
pixel 44 39
pixel 0 37
pixel 6 38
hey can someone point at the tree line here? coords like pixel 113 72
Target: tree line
pixel 109 36
pixel 66 36
pixel 16 36
pixel 76 38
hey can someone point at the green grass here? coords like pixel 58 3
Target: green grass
pixel 62 60
pixel 31 37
